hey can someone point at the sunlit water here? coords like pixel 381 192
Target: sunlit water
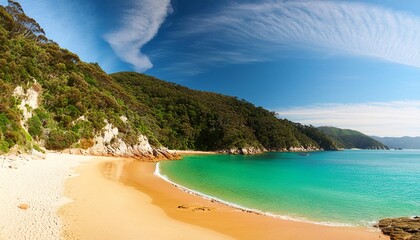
pixel 346 187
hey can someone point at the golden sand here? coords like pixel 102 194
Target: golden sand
pixel 123 199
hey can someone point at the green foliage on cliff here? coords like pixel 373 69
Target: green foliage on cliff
pixel 68 89
pixel 322 139
pixel 182 118
pixel 346 138
pixel 35 127
pixel 77 97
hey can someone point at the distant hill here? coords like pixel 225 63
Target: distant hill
pixel 400 142
pixel 347 139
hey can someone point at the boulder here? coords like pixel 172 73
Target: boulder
pixel 403 228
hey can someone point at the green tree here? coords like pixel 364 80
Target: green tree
pixel 35 127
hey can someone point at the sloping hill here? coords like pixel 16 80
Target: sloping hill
pixel 52 99
pixel 400 142
pixel 184 118
pixel 346 138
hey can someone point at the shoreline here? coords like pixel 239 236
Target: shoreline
pixel 230 221
pixel 105 208
pixel 191 152
pixel 158 173
pixel 89 197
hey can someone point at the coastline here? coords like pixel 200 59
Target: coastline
pixel 104 208
pixel 119 198
pixel 230 221
pixel 191 152
pixel 158 173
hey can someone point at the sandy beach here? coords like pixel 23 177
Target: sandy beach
pixel 128 201
pixel 31 192
pixel 104 208
pixel 83 197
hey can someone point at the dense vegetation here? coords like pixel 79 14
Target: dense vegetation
pixel 77 99
pixel 346 138
pixel 182 118
pixel 68 87
pixel 322 139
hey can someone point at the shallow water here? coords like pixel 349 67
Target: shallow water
pixel 339 188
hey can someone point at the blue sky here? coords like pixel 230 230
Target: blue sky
pixel 350 64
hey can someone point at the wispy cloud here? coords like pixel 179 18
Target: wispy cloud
pixel 263 30
pixel 399 118
pixel 140 24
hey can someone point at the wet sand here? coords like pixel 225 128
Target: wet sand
pixel 123 199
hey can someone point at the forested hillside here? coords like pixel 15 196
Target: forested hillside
pixel 182 118
pixel 71 107
pixel 346 138
pixel 50 98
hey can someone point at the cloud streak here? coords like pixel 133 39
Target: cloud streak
pixel 390 119
pixel 140 24
pixel 265 29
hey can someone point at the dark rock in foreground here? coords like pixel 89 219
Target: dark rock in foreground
pixel 401 228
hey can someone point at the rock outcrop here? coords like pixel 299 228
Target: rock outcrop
pixel 254 150
pixel 302 149
pixel 110 143
pixel 243 151
pixel 401 228
pixel 29 101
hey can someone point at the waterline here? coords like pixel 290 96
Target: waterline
pixel 158 173
pixel 351 188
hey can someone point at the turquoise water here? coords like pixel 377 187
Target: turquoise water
pixel 346 187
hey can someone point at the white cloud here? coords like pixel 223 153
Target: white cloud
pixel 265 29
pixel 139 25
pixel 391 119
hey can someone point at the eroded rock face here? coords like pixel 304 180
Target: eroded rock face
pixel 109 143
pixel 29 101
pixel 401 228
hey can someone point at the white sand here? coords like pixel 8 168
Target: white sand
pixel 40 184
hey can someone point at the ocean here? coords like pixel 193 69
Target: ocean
pixel 344 188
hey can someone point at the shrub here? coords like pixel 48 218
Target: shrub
pixel 34 127
pixel 86 143
pixel 4 145
pixel 60 139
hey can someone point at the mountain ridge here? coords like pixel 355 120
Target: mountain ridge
pixel 400 142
